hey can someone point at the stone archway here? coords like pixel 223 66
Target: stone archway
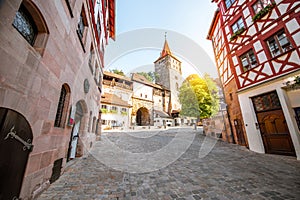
pixel 142 117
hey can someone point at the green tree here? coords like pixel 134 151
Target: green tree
pixel 199 97
pixel 188 100
pixel 117 71
pixel 150 76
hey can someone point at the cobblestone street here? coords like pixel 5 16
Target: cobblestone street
pixel 228 172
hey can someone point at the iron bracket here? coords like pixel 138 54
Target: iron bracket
pixel 13 134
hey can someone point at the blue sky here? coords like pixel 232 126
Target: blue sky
pixel 190 18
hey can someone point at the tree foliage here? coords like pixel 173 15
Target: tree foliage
pixel 150 76
pixel 117 71
pixel 199 97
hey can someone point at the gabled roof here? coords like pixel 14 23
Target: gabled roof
pixel 116 76
pixel 162 114
pixel 141 79
pixel 113 99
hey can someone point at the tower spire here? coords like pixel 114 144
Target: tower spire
pixel 166 50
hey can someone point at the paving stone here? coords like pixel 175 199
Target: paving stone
pixel 227 172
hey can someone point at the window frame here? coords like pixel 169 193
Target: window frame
pixel 238 25
pixel 62 107
pixel 226 2
pixel 248 57
pixel 26 16
pixel 276 45
pixel 263 4
pixel 82 27
pixel 42 32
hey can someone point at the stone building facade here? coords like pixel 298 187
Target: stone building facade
pixel 256 46
pixel 50 82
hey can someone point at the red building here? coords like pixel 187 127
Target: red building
pixel 256 46
pixel 50 81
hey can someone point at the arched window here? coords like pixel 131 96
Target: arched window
pixel 24 23
pixel 62 108
pixel 90 121
pixel 30 23
pixel 94 124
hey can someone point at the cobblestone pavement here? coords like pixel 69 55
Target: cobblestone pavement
pixel 227 172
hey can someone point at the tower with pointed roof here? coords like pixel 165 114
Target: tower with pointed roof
pixel 168 69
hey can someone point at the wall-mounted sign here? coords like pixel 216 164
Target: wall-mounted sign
pixel 71 120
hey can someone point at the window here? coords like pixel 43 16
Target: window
pixel 30 23
pixel 90 122
pixel 91 58
pixel 104 106
pixel 96 74
pixel 260 4
pixel 82 27
pixel 238 25
pixel 98 26
pixel 104 122
pixel 124 109
pixel 62 108
pixel 24 23
pixel 94 124
pixel 146 96
pixel 266 102
pixel 248 60
pixel 114 108
pixel 177 86
pixel 278 43
pixel 228 3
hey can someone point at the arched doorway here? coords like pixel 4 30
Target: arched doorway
pixel 142 117
pixel 15 146
pixel 74 145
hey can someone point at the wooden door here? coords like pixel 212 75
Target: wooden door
pixel 272 125
pixel 15 146
pixel 239 132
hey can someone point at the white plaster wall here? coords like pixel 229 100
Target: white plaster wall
pixel 139 88
pixel 294 98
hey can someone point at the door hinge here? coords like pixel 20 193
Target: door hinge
pixel 13 134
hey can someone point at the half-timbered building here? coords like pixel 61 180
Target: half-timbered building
pixel 256 45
